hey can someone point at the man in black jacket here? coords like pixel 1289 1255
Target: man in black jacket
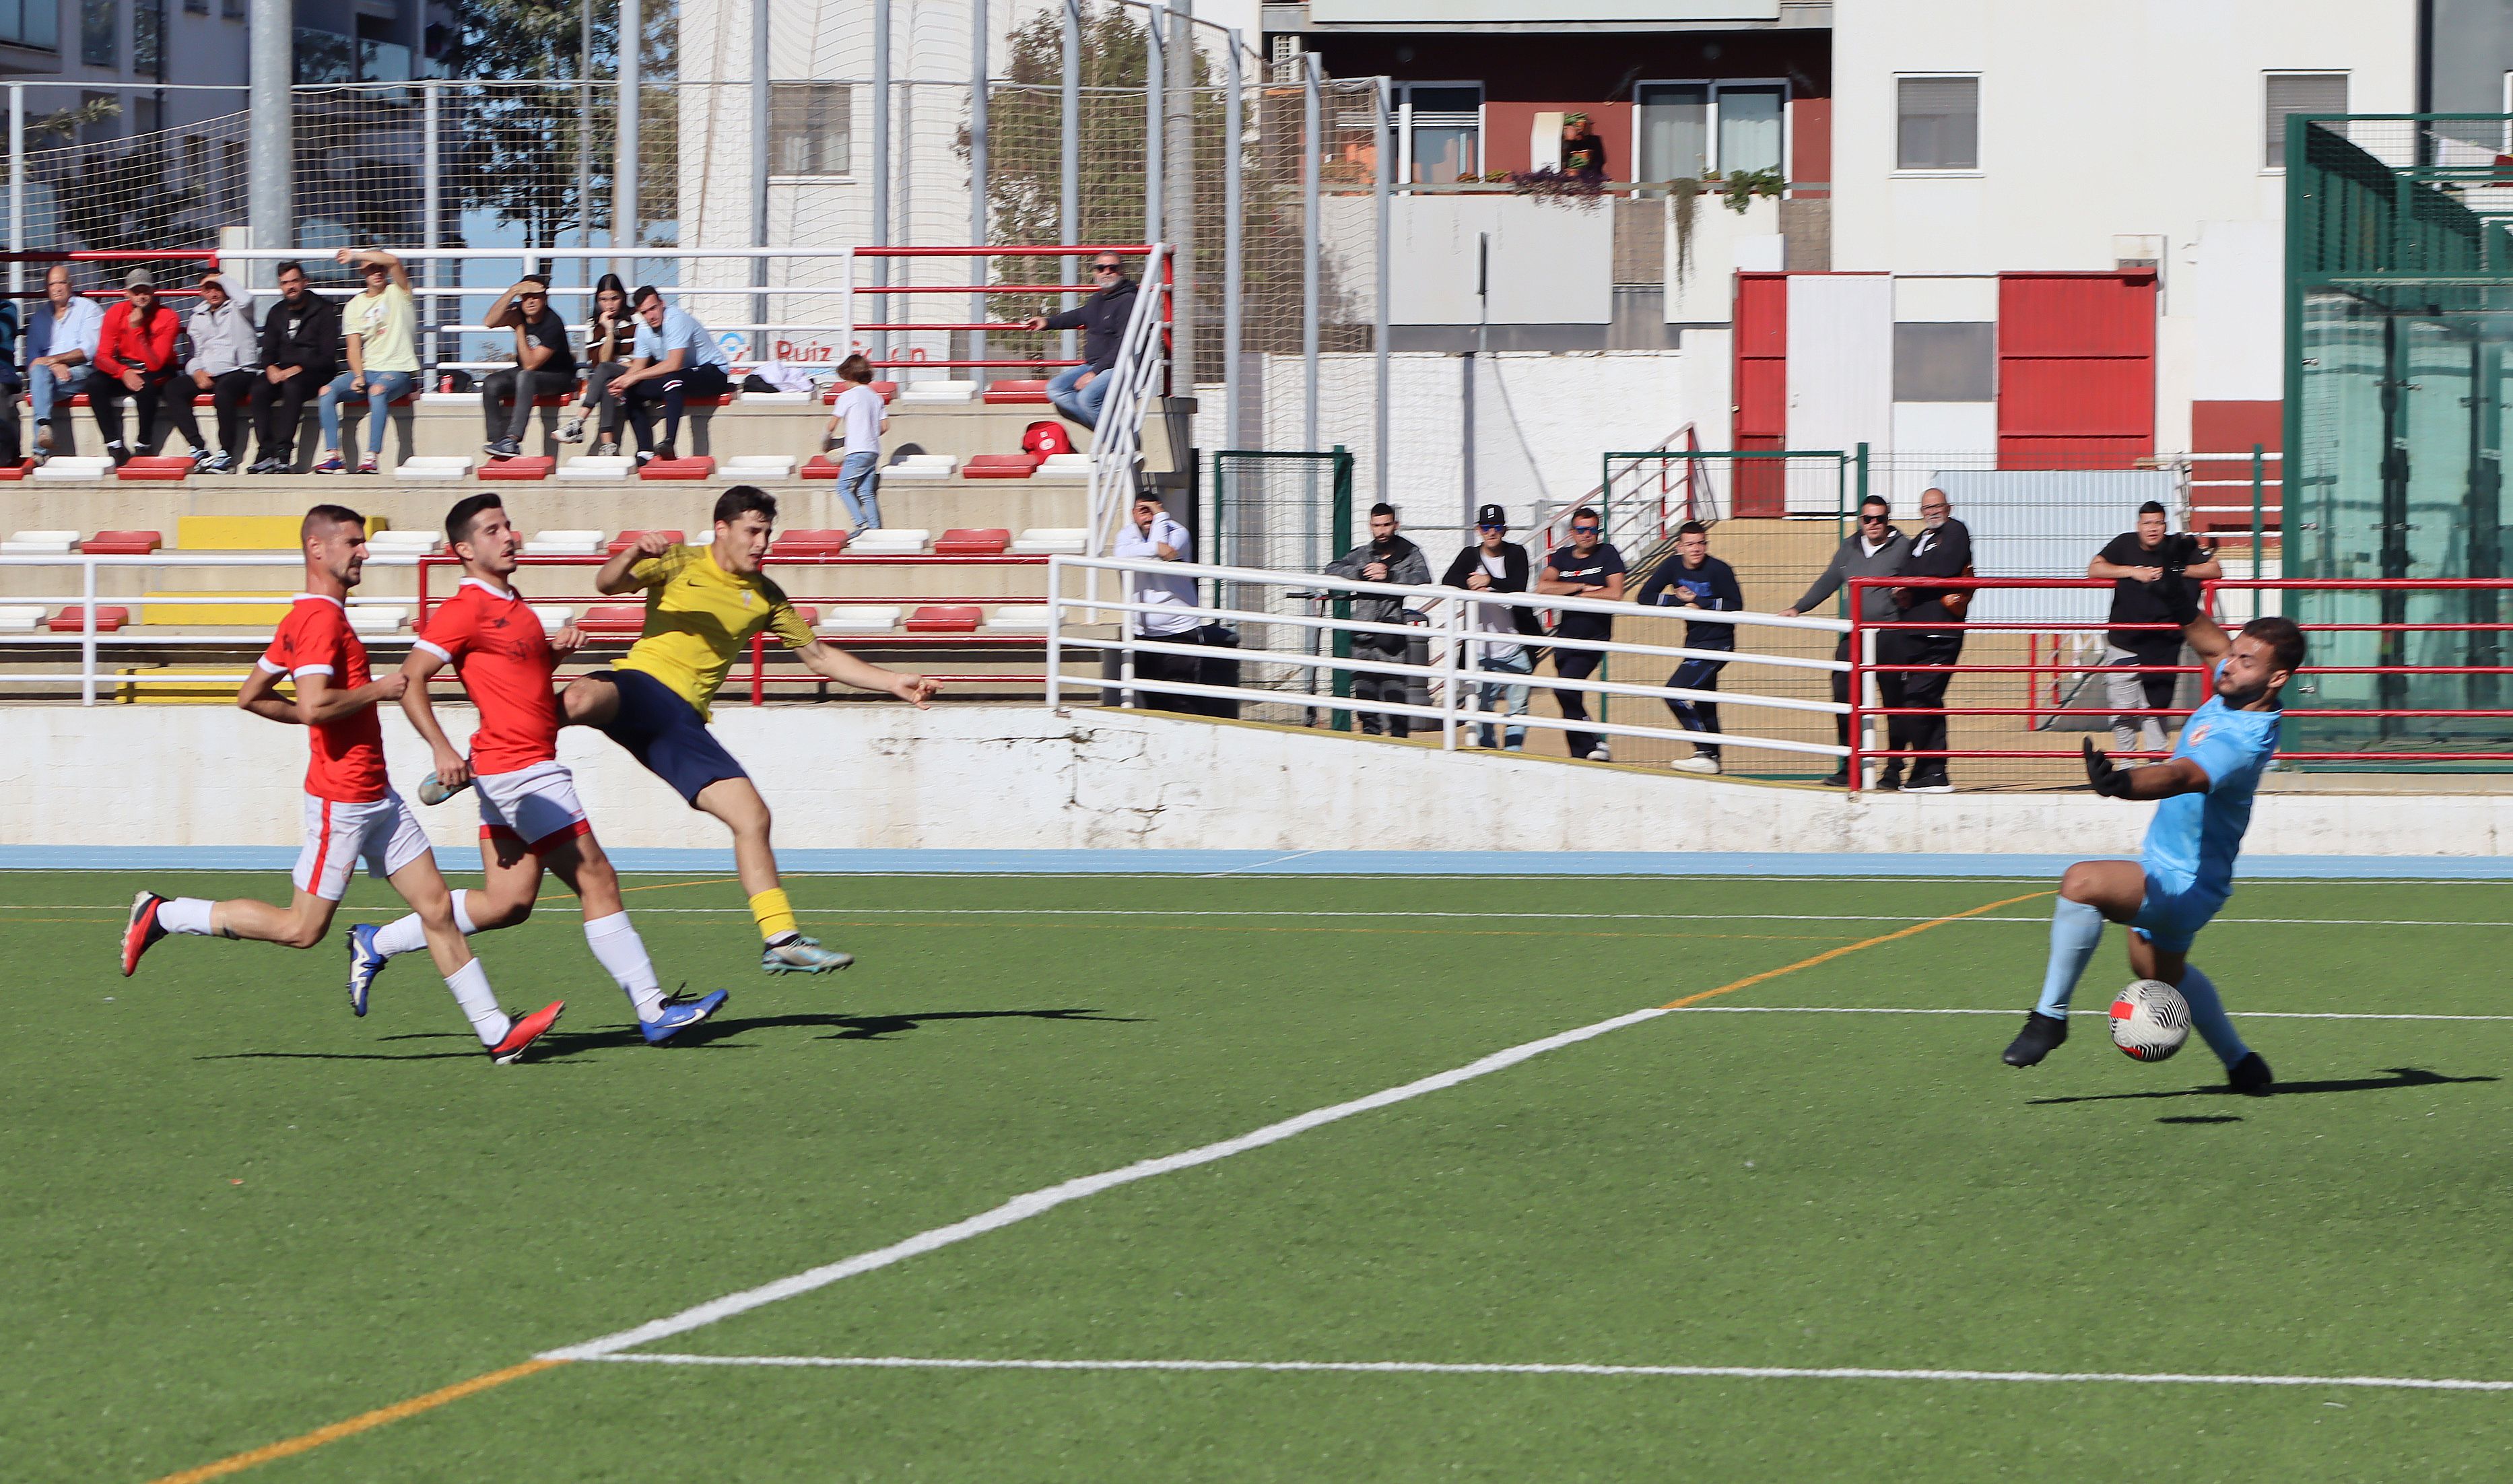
pixel 300 340
pixel 1695 580
pixel 1874 551
pixel 1497 564
pixel 1079 390
pixel 1942 549
pixel 1387 557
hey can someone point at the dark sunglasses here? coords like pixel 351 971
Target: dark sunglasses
pixel 1873 520
pixel 1491 525
pixel 1105 267
pixel 1584 530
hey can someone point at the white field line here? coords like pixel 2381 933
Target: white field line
pixel 2248 1015
pixel 1434 1368
pixel 1022 1208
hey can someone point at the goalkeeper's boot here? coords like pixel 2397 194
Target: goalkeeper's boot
pixel 2040 1036
pixel 365 963
pixel 142 932
pixel 801 955
pixel 2251 1077
pixel 526 1031
pixel 679 1013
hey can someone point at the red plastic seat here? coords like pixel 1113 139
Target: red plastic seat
pixel 18 470
pixel 1016 391
pixel 944 619
pixel 818 467
pixel 555 399
pixel 154 467
pixel 678 469
pixel 1000 467
pixel 535 466
pixel 628 538
pixel 974 542
pixel 71 619
pixel 122 544
pixel 611 620
pixel 807 543
pixel 714 401
pixel 889 392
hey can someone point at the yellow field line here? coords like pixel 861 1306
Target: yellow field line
pixel 1829 954
pixel 269 1453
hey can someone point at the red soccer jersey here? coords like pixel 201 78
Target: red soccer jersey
pixel 314 639
pixel 495 641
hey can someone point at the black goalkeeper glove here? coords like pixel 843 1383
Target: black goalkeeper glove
pixel 2100 776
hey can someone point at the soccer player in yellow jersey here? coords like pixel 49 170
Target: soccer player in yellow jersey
pixel 703 606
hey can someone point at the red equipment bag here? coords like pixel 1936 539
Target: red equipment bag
pixel 1043 438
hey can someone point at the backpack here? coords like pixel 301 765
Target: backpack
pixel 1044 437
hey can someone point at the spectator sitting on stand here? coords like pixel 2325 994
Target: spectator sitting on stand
pixel 1695 580
pixel 1588 568
pixel 1387 557
pixel 60 339
pixel 1941 549
pixel 607 339
pixel 12 441
pixel 2151 573
pixel 1874 549
pixel 860 419
pixel 1497 564
pixel 1078 391
pixel 1153 536
pixel 1583 154
pixel 298 337
pixel 544 364
pixel 135 357
pixel 672 360
pixel 225 354
pixel 382 326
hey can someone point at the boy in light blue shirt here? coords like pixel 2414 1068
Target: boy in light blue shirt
pixel 672 360
pixel 2185 869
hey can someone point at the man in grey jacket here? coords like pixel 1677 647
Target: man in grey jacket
pixel 226 352
pixel 1387 557
pixel 1874 551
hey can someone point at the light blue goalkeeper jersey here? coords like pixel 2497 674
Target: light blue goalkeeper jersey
pixel 2194 837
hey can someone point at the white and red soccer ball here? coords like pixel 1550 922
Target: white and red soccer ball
pixel 2150 1020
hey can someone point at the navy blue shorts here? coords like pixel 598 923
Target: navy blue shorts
pixel 667 734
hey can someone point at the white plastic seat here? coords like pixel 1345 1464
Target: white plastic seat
pixel 1052 540
pixel 21 619
pixel 598 467
pixel 889 541
pixel 434 467
pixel 852 619
pixel 938 391
pixel 1063 467
pixel 553 617
pixel 760 466
pixel 775 398
pixel 566 542
pixel 921 467
pixel 1019 619
pixel 41 543
pixel 419 543
pixel 377 618
pixel 74 468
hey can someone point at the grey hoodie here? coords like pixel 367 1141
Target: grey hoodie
pixel 223 339
pixel 1853 560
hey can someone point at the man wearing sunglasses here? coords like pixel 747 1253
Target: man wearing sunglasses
pixel 1588 568
pixel 1874 551
pixel 1078 391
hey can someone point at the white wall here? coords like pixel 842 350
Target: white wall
pixel 1841 366
pixel 1723 242
pixel 1551 262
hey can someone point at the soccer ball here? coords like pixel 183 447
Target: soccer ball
pixel 2150 1020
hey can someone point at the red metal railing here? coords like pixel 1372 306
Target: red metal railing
pixel 916 359
pixel 1864 665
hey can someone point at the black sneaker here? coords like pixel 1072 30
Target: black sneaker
pixel 1840 779
pixel 667 453
pixel 503 448
pixel 2251 1077
pixel 1929 781
pixel 2042 1035
pixel 1891 777
pixel 119 454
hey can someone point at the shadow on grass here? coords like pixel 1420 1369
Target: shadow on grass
pixel 558 1045
pixel 2203 1119
pixel 2400 1076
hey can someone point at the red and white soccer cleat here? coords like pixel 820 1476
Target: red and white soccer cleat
pixel 526 1030
pixel 142 932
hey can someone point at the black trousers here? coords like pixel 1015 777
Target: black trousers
pixel 1578 665
pixel 670 393
pixel 227 393
pixel 279 410
pixel 1696 716
pixel 1915 733
pixel 105 396
pixel 519 387
pixel 1152 669
pixel 1383 685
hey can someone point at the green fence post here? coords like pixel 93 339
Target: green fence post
pixel 1343 520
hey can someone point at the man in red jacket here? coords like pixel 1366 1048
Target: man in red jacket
pixel 135 357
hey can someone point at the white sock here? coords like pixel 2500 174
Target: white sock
pixel 409 935
pixel 184 915
pixel 479 1002
pixel 614 939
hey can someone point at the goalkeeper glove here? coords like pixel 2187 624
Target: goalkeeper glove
pixel 2104 779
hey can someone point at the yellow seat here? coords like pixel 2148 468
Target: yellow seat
pixel 265 613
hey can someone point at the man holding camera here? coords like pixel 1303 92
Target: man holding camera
pixel 2154 578
pixel 1387 557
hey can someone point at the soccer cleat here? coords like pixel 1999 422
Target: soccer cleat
pixel 573 429
pixel 2251 1077
pixel 144 931
pixel 503 448
pixel 1694 765
pixel 365 963
pixel 432 792
pixel 679 1013
pixel 332 464
pixel 2042 1035
pixel 801 955
pixel 526 1031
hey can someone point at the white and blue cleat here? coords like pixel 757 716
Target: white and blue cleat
pixel 801 955
pixel 365 963
pixel 679 1014
pixel 431 792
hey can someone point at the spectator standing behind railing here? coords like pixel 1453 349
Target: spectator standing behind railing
pixel 1583 154
pixel 672 360
pixel 544 364
pixel 1694 580
pixel 1154 536
pixel 300 340
pixel 60 339
pixel 1387 557
pixel 1079 391
pixel 1588 568
pixel 226 355
pixel 858 418
pixel 381 330
pixel 1874 551
pixel 135 357
pixel 2151 573
pixel 1497 564
pixel 1941 549
pixel 607 339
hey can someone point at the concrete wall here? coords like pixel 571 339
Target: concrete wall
pixel 1021 777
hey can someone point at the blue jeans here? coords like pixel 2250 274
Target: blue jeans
pixel 1495 695
pixel 43 388
pixel 1081 406
pixel 859 488
pixel 382 387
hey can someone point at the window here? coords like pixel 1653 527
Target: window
pixel 811 129
pixel 197 7
pixel 1686 130
pixel 1440 130
pixel 1749 129
pixel 2294 93
pixel 1946 362
pixel 325 56
pixel 32 23
pixel 149 39
pixel 101 32
pixel 1939 124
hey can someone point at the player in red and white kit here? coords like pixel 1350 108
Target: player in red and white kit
pixel 351 812
pixel 530 819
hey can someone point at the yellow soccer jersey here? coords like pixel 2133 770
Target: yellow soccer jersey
pixel 700 617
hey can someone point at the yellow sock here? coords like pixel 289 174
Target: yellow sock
pixel 774 913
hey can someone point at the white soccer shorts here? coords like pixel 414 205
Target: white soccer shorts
pixel 386 834
pixel 536 805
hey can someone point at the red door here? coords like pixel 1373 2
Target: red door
pixel 1761 413
pixel 2076 370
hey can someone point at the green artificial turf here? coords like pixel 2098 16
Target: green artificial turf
pixel 237 1214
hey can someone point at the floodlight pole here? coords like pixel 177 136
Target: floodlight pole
pixel 623 174
pixel 759 167
pixel 978 100
pixel 1380 145
pixel 272 152
pixel 881 172
pixel 1068 207
pixel 1178 192
pixel 1155 64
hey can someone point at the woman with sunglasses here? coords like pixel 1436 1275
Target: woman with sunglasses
pixel 381 328
pixel 1874 551
pixel 607 339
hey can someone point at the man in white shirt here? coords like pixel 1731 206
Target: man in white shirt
pixel 1155 536
pixel 860 415
pixel 61 341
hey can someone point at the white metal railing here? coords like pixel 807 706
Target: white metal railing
pixel 1117 443
pixel 1452 672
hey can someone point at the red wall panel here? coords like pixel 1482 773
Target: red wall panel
pixel 2232 428
pixel 1761 392
pixel 2076 370
pixel 1811 140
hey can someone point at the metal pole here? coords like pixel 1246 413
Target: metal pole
pixel 623 174
pixel 1311 140
pixel 272 153
pixel 1068 207
pixel 1178 175
pixel 1380 143
pixel 584 137
pixel 2258 451
pixel 881 171
pixel 1233 233
pixel 1155 66
pixel 978 100
pixel 17 183
pixel 760 68
pixel 432 205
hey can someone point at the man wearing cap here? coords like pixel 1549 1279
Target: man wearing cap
pixel 227 351
pixel 1387 557
pixel 135 357
pixel 1497 564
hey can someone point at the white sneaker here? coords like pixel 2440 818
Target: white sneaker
pixel 1600 755
pixel 572 430
pixel 1696 765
